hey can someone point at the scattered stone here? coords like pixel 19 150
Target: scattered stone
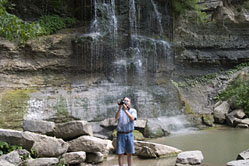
pixel 72 130
pixel 90 144
pixel 189 158
pixel 238 163
pixel 243 155
pixel 42 162
pixel 74 157
pixel 231 120
pixel 245 121
pixel 150 150
pixel 220 112
pixel 208 119
pixel 240 125
pixel 96 157
pixel 238 113
pixel 15 157
pixel 39 126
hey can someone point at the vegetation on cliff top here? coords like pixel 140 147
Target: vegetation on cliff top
pixel 14 28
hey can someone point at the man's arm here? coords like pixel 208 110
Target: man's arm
pixel 118 113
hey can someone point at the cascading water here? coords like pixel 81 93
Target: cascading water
pixel 116 57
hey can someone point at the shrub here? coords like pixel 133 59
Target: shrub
pixel 181 6
pixel 237 93
pixel 13 28
pixel 51 24
pixel 6 148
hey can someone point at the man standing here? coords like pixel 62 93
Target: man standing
pixel 125 140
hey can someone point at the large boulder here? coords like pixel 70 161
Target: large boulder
pixel 46 146
pixel 189 158
pixel 238 163
pixel 42 162
pixel 74 157
pixel 39 126
pixel 155 128
pixel 243 155
pixel 152 150
pixel 90 144
pixel 220 112
pixel 74 129
pixel 43 146
pixel 16 138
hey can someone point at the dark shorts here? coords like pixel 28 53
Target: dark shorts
pixel 125 143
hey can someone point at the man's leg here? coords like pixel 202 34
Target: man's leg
pixel 120 159
pixel 129 159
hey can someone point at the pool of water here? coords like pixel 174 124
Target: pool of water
pixel 219 146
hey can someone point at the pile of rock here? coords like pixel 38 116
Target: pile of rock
pixel 69 143
pixel 223 114
pixel 242 159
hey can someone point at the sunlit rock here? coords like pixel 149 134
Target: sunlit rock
pixel 189 158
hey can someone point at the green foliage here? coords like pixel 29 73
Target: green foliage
pixel 181 6
pixel 51 24
pixel 246 5
pixel 6 148
pixel 237 93
pixel 13 28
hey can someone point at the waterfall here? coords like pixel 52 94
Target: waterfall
pixel 158 16
pixel 94 25
pixel 132 17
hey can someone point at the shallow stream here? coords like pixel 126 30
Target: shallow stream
pixel 218 146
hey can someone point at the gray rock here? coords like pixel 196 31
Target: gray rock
pixel 150 150
pixel 243 155
pixel 5 163
pixel 90 144
pixel 74 157
pixel 240 125
pixel 231 120
pixel 46 146
pixel 15 157
pixel 208 119
pixel 42 162
pixel 16 138
pixel 238 163
pixel 245 121
pixel 220 112
pixel 74 129
pixel 189 157
pixel 238 113
pixel 154 128
pixel 96 157
pixel 39 126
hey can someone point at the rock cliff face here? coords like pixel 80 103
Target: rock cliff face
pixel 123 51
pixel 221 41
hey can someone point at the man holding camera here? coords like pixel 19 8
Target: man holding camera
pixel 125 140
